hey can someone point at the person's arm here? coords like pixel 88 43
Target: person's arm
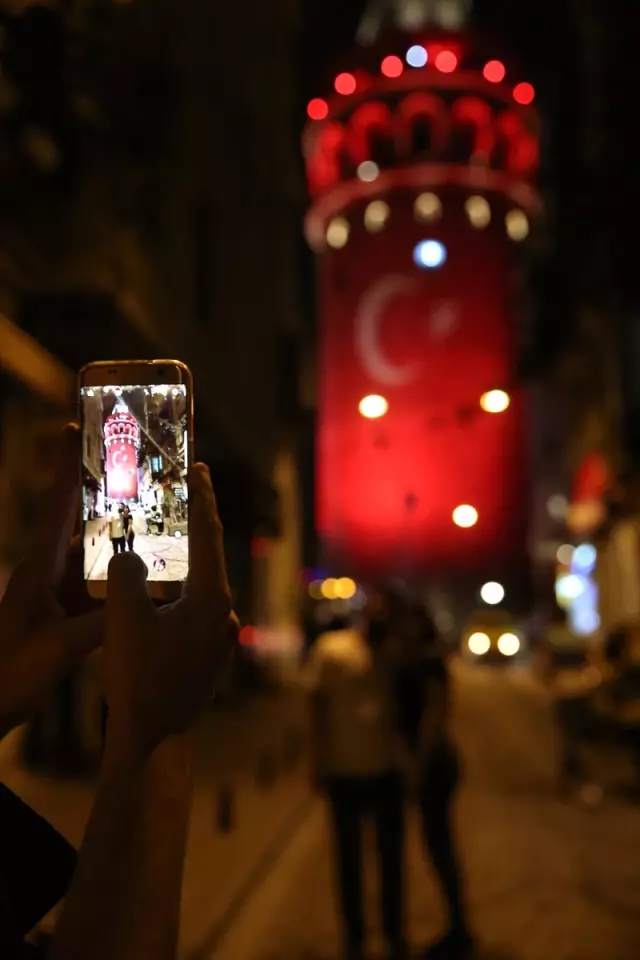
pixel 128 881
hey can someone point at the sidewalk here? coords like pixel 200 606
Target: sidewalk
pixel 250 787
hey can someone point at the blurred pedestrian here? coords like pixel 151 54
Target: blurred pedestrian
pixel 129 532
pixel 572 682
pixel 116 532
pixel 354 761
pixel 423 699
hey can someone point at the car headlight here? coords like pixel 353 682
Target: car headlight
pixel 479 644
pixel 508 644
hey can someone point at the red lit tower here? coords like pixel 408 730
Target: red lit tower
pixel 421 160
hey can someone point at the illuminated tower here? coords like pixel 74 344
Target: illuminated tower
pixel 122 438
pixel 421 160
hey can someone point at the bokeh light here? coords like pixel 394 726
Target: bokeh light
pixel 338 233
pixel 524 94
pixel 495 401
pixel 345 83
pixel 392 66
pixel 446 61
pixel 479 644
pixel 517 224
pixel 427 207
pixel 417 56
pixel 376 215
pixel 478 212
pixel 373 407
pixel 465 516
pixel 565 554
pixel 492 593
pixel 508 644
pixel 494 71
pixel 346 588
pixel 368 171
pixel 430 254
pixel 317 109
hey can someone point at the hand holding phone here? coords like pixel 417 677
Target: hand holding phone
pixel 137 440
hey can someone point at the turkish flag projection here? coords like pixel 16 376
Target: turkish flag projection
pixel 121 434
pixel 431 341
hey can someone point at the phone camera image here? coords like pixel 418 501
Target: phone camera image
pixel 135 497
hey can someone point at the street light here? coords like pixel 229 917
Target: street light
pixel 495 401
pixel 492 593
pixel 373 407
pixel 465 516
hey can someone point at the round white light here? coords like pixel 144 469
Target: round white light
pixel 338 233
pixel 479 212
pixel 417 56
pixel 517 224
pixel 465 516
pixel 427 207
pixel 557 507
pixel 479 644
pixel 495 401
pixel 177 534
pixel 430 254
pixel 368 171
pixel 492 593
pixel 569 587
pixel 508 644
pixel 376 215
pixel 373 407
pixel 564 554
pixel 584 558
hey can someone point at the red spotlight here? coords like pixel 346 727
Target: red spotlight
pixel 524 94
pixel 345 83
pixel 317 109
pixel 446 61
pixel 494 71
pixel 392 66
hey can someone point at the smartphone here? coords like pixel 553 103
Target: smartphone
pixel 137 445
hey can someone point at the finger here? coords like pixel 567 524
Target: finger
pixel 207 582
pixel 128 604
pixel 47 556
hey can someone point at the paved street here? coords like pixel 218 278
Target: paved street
pixel 153 549
pixel 548 880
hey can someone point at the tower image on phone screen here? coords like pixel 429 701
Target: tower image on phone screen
pixel 135 498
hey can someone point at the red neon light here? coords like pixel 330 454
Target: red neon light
pixel 524 93
pixel 317 109
pixel 345 83
pixel 446 61
pixel 392 66
pixel 494 71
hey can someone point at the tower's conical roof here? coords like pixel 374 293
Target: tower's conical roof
pixel 411 16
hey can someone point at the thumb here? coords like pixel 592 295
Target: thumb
pixel 128 600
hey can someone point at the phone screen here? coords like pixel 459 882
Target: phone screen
pixel 135 451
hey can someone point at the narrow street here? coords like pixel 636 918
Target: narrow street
pixel 152 548
pixel 547 879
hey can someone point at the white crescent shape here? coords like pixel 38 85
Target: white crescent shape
pixel 367 332
pixel 116 458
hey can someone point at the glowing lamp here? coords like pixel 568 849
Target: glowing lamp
pixel 337 233
pixel 368 171
pixel 478 211
pixel 376 215
pixel 329 589
pixel 465 516
pixel 479 644
pixel 417 56
pixel 391 66
pixel 524 94
pixel 317 109
pixel 508 644
pixel 430 254
pixel 446 61
pixel 345 83
pixel 517 224
pixel 495 401
pixel 427 207
pixel 346 588
pixel 584 558
pixel 494 71
pixel 492 593
pixel 373 407
pixel 315 590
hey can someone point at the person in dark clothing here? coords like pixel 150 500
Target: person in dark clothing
pixel 423 699
pixel 129 533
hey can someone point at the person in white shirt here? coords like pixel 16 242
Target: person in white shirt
pixel 116 532
pixel 354 755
